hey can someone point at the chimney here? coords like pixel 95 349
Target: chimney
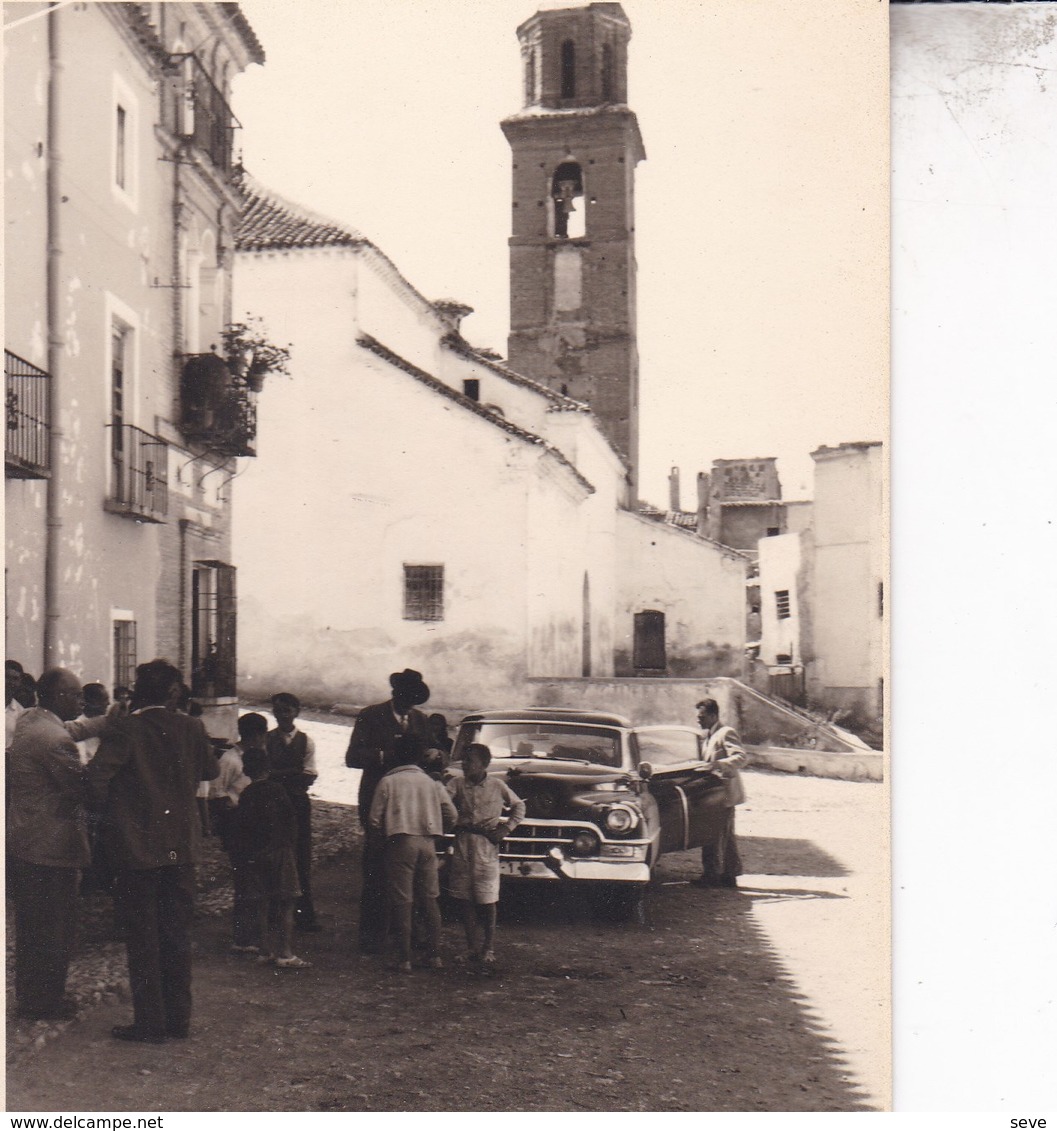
pixel 703 484
pixel 673 489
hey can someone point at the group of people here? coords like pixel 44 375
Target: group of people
pixel 131 787
pixel 142 776
pixel 403 806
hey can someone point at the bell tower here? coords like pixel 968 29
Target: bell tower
pixel 575 144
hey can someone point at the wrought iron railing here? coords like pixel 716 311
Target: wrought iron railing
pixel 27 419
pixel 139 485
pixel 218 407
pixel 203 114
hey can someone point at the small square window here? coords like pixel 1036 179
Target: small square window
pixel 781 600
pixel 471 388
pixel 423 592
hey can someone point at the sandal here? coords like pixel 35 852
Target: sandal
pixel 265 957
pixel 293 963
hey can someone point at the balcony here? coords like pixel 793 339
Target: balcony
pixel 219 409
pixel 203 114
pixel 139 485
pixel 28 420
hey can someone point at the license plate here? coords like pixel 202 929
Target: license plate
pixel 523 868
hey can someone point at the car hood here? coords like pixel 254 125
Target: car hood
pixel 556 770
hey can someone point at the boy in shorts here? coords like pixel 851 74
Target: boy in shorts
pixel 265 838
pixel 479 829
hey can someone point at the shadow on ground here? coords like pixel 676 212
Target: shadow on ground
pixel 787 856
pixel 693 1011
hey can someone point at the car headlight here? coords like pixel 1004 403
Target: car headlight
pixel 585 844
pixel 619 819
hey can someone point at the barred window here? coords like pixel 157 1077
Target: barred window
pixel 124 653
pixel 781 600
pixel 423 592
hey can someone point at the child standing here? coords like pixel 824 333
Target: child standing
pixel 292 763
pixel 265 835
pixel 224 793
pixel 409 809
pixel 479 829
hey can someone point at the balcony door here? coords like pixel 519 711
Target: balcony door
pixel 213 622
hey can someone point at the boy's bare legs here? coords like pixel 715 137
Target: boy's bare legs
pixel 469 925
pixel 486 915
pixel 286 928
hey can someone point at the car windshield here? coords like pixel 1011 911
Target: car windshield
pixel 579 743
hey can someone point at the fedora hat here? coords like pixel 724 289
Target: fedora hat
pixel 409 685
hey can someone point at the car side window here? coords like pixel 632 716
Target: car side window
pixel 668 747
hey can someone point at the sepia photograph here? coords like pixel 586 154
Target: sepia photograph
pixel 449 444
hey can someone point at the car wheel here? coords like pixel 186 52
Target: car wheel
pixel 621 903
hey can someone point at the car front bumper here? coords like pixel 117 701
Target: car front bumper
pixel 556 866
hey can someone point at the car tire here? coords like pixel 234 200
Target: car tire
pixel 621 903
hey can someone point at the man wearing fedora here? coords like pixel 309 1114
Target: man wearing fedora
pixel 371 749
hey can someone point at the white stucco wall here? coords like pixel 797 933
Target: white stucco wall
pixel 362 469
pixel 112 246
pixel 847 660
pixel 699 586
pixel 779 564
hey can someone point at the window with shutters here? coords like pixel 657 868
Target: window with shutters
pixel 124 652
pixel 782 605
pixel 213 622
pixel 423 592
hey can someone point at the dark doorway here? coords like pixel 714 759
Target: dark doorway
pixel 649 653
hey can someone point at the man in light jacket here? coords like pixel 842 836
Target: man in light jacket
pixel 409 809
pixel 47 842
pixel 720 861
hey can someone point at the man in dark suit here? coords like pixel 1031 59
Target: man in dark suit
pixel 143 781
pixel 371 749
pixel 47 842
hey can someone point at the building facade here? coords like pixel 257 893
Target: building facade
pixel 452 515
pixel 821 590
pixel 124 418
pixel 844 641
pixel 574 146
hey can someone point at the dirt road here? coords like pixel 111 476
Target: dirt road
pixel 771 997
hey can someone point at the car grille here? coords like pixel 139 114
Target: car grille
pixel 533 839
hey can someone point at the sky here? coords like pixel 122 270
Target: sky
pixel 761 209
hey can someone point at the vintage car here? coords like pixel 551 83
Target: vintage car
pixel 603 799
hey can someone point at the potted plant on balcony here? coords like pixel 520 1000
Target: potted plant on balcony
pixel 251 355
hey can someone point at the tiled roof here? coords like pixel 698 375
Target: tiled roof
pixel 438 386
pixel 682 520
pixel 249 36
pixel 559 401
pixel 720 502
pixel 270 223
